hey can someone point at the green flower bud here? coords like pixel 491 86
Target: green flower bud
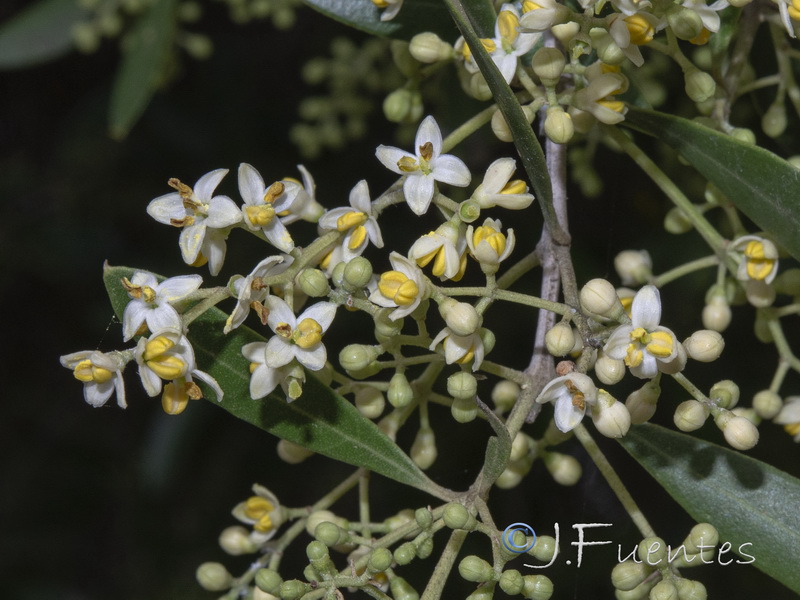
pixel 702 534
pixel 717 314
pixel 311 573
pixel 324 516
pixel 384 326
pixel 653 551
pixel 456 516
pixel 401 55
pixel 699 85
pixel 214 577
pixel 469 211
pixel 337 276
pixel 268 581
pixel 504 395
pixel 477 87
pixel 690 415
pixel 725 393
pixel 462 386
pixel 690 590
pixel 357 273
pixel 401 590
pixel 357 357
pixel 488 339
pixel 605 46
pixel 294 589
pixel 425 548
pixel 560 339
pixel 676 221
pixel 664 590
pixel 767 404
pixel 558 125
pixel 484 592
pixel 743 135
pixel 513 474
pixel 537 587
pixel 544 549
pixel 370 402
pixel 500 128
pixel 625 576
pixel 400 393
pixel 548 64
pixel 788 282
pixel 520 447
pixel 566 32
pixel 423 450
pixel 316 550
pixel 429 48
pixel 330 534
pixel 197 46
pixel 405 553
pixel 685 23
pixel 599 297
pixel 774 120
pixel 313 283
pixel 235 540
pixel 464 410
pixel 473 568
pixel 511 582
pixel 368 371
pixel 564 469
pixel 380 560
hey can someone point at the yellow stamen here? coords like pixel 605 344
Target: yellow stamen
pixel 395 286
pixel 307 334
pixel 167 367
pixel 255 507
pixel 86 372
pixel 640 29
pixel 528 6
pixel 794 10
pixel 792 429
pixel 174 399
pixel 491 236
pixel 426 151
pixel 380 3
pixel 462 267
pixel 350 220
pixel 357 237
pixel 634 356
pixel 274 192
pixel 156 347
pixel 516 186
pixel 260 215
pixel 184 190
pixel 759 266
pixel 578 397
pixel 253 367
pixel 615 105
pixel 507 25
pixel 264 524
pixel 201 260
pixel 326 260
pixel 407 164
pixel 604 68
pixel 467 357
pixel 702 38
pixel 661 344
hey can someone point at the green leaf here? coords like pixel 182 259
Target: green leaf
pixel 760 184
pixel 147 52
pixel 415 16
pixel 747 500
pixel 40 33
pixel 320 420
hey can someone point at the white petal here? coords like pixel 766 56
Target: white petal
pixel 790 413
pixel 254 352
pixel 456 347
pixel 617 344
pixel 97 394
pixel 646 308
pixel 449 169
pixel 390 156
pixel 513 201
pixel 132 318
pixel 498 175
pixel 418 190
pixel 176 288
pixel 439 337
pixel 648 368
pixel 214 248
pixel 251 184
pixel 321 312
pixel 190 241
pixel 143 278
pixel 312 358
pixel 222 212
pixel 263 381
pixel 279 312
pixel 279 352
pixel 150 381
pixel 205 186
pixel 359 197
pixel 210 382
pixel 429 132
pixel 163 317
pixel 425 245
pixel 330 219
pixel 279 236
pixel 374 232
pixel 119 386
pixel 167 207
pixel 567 416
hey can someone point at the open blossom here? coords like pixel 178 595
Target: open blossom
pixel 305 205
pixel 446 247
pixel 789 417
pixel 262 206
pixel 497 188
pixel 298 337
pixel 151 302
pixel 597 98
pixel 101 374
pixel 571 394
pixel 488 245
pixel 403 287
pixel 509 43
pixel 425 167
pixel 630 32
pixel 644 345
pixel 263 512
pixel 251 290
pixel 198 212
pixel 542 14
pixel 460 349
pixel 358 221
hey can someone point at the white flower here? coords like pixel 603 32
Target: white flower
pixel 708 14
pixel 358 221
pixel 392 8
pixel 151 302
pixel 571 394
pixel 497 189
pixel 404 287
pixel 789 417
pixel 425 167
pixel 263 512
pixel 445 247
pixel 263 379
pixel 509 43
pixel 100 373
pixel 644 345
pixel 597 98
pixel 298 337
pixel 305 205
pixel 542 14
pixel 630 32
pixel 488 245
pixel 252 290
pixel 759 259
pixel 262 206
pixel 196 211
pixel 460 349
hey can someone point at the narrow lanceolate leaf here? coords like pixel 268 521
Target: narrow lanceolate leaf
pixel 40 33
pixel 760 184
pixel 144 62
pixel 752 504
pixel 320 420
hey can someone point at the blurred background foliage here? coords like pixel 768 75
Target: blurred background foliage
pixel 105 503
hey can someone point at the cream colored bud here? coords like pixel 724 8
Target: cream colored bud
pixel 684 22
pixel 607 49
pixel 537 587
pixel 505 394
pixel 462 318
pixel 464 410
pixel 691 590
pixel 500 126
pixel 676 222
pixel 599 297
pixel 427 47
pixel 356 357
pixel 609 370
pixel 743 135
pixel 558 125
pixel 477 87
pixel 611 418
pixel 400 393
pixel 773 123
pixel 520 447
pixel 704 345
pixel 653 551
pixel 292 453
pixel 702 534
pixel 235 540
pixel 560 339
pixel 717 314
pixel 739 432
pixel 564 469
pixel 260 595
pixel 324 516
pixel 699 85
pixel 548 64
pixel 664 590
pixel 625 576
pixel 462 386
pixel 725 393
pixel 690 415
pixel 403 106
pixel 635 267
pixel 423 450
pixel 767 404
pixel 213 577
pixel 642 402
pixel 565 32
pixel 370 402
pixel 748 413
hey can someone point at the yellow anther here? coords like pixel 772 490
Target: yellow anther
pixel 627 305
pixel 604 68
pixel 253 367
pixel 350 220
pixel 528 6
pixel 794 10
pixel 201 260
pixel 380 3
pixel 640 29
pixel 260 215
pixel 264 524
pixel 395 286
pixel 467 357
pixel 186 221
pixel 407 164
pixel 86 371
pixel 357 237
pixel 284 330
pixel 274 192
pixel 489 44
pixel 326 260
pixel 702 38
pixel 307 334
pixel 615 105
pixel 759 266
pixel 507 24
pixel 792 429
pixel 462 267
pixel 491 236
pixel 184 190
pixel 426 152
pixel 661 344
pixel 174 399
pixel 517 186
pixel 640 335
pixel 167 367
pixel 578 398
pixel 440 262
pixel 634 356
pixel 256 507
pixel 156 347
pixel 148 294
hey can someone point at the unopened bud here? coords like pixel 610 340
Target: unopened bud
pixel 402 590
pixel 609 370
pixel 473 568
pixel 607 49
pixel 235 540
pixel 676 221
pixel 740 433
pixel 664 590
pixel 558 125
pixel 313 283
pixel 464 410
pixel 743 135
pixel 566 32
pixel 560 339
pixel 403 106
pixel 537 587
pixel 500 126
pixel 356 357
pixel 400 393
pixel 684 22
pixel 774 120
pixel 357 273
pixel 702 534
pixel 611 418
pixel 548 64
pixel 725 393
pixel 379 560
pixel 690 415
pixel 717 314
pixel 405 553
pixel 268 581
pixel 456 516
pixel 564 469
pixel 704 345
pixel 642 403
pixel 214 577
pixel 505 394
pixel 767 404
pixel 699 85
pixel 625 576
pixel 427 47
pixel 423 450
pixel 599 297
pixel 462 318
pixel 635 267
pixel 511 582
pixel 370 402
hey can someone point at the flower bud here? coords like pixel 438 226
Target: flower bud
pixel 699 85
pixel 704 345
pixel 473 568
pixel 379 560
pixel 676 221
pixel 330 534
pixel 635 267
pixel 213 577
pixel 560 339
pixel 653 551
pixel 462 318
pixel 664 590
pixel 774 120
pixel 294 589
pixel 537 587
pixel 598 296
pixel 402 58
pixel 357 273
pixel 405 553
pixel 513 474
pixel 404 517
pixel 740 433
pixel 511 582
pixel 558 125
pixel 464 410
pixel 607 49
pixel 743 135
pixel 477 87
pixel 429 48
pixel 488 338
pixel 370 402
pixel 548 64
pixel 717 314
pixel 235 540
pixel 564 469
pixel 356 357
pixel 725 393
pixel 324 516
pixel 423 450
pixel 690 590
pixel 456 516
pixel 402 590
pixel 462 386
pixel 609 370
pixel 500 126
pixel 469 211
pixel 788 282
pixel 611 418
pixel 403 106
pixel 684 22
pixel 642 403
pixel 690 415
pixel 566 32
pixel 313 283
pixel 625 576
pixel 767 404
pixel 400 393
pixel 544 549
pixel 268 581
pixel 702 534
pixel 520 447
pixel 505 394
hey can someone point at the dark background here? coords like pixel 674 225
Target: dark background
pixel 105 503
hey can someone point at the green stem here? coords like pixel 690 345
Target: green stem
pixel 435 587
pixel 685 269
pixel 198 309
